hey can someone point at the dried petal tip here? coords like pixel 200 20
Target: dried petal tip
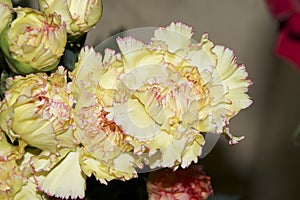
pixel 231 138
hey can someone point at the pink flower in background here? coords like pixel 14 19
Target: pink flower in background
pixel 287 12
pixel 191 183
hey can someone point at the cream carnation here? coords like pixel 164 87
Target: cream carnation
pixel 40 103
pixel 153 101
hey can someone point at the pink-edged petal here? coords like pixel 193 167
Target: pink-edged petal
pixel 121 168
pixel 65 180
pixel 87 69
pixel 177 36
pixel 235 81
pixel 134 54
pixel 193 150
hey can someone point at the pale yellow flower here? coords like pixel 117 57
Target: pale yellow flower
pixel 80 16
pixel 37 111
pixel 172 89
pixel 155 104
pixel 154 100
pixel 33 42
pixel 99 134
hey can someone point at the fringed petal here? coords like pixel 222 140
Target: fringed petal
pixel 193 150
pixel 134 54
pixel 177 36
pixel 234 79
pixel 65 180
pixel 108 172
pixel 87 70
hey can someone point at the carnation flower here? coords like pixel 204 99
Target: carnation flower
pixel 80 16
pixel 162 95
pixel 190 183
pixel 33 42
pixel 154 100
pixel 37 110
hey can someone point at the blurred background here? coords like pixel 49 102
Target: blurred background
pixel 266 165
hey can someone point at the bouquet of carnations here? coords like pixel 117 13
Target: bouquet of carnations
pixel 65 118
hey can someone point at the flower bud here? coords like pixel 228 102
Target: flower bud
pixel 80 16
pixel 6 15
pixel 37 111
pixel 33 42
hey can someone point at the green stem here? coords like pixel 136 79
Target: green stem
pixel 71 52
